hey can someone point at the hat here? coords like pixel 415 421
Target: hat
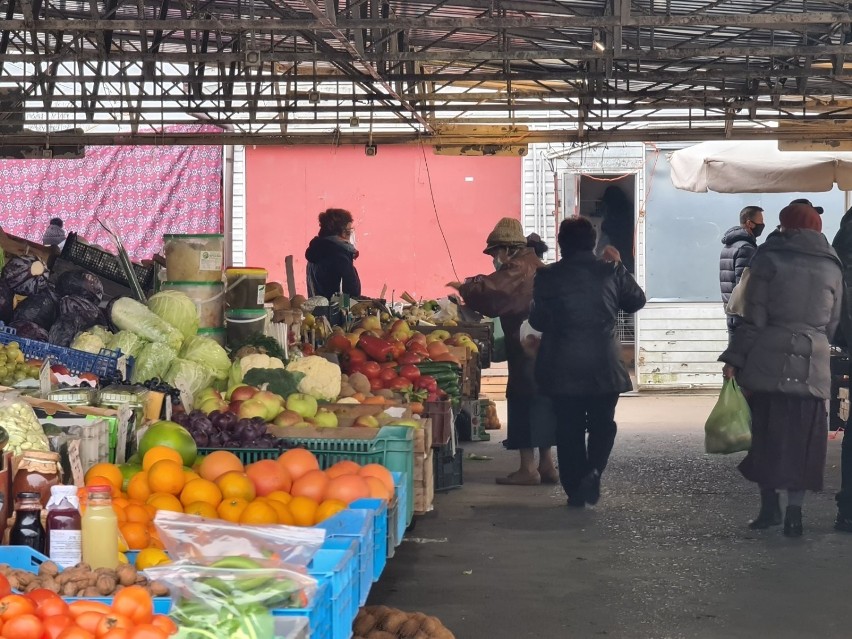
pixel 800 216
pixel 802 200
pixel 507 232
pixel 535 242
pixel 53 236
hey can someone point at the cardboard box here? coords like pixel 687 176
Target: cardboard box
pixel 473 408
pixel 424 479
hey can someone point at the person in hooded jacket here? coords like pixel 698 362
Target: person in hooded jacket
pixel 843 246
pixel 740 243
pixel 780 356
pixel 331 257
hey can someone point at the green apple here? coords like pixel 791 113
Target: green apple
pixel 288 418
pixel 271 401
pixel 303 404
pixel 252 408
pixel 325 419
pixel 410 423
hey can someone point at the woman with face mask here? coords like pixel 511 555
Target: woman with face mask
pixel 507 293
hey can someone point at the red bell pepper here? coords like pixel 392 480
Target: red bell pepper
pixel 377 349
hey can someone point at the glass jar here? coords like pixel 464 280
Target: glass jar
pixel 37 472
pixel 64 527
pixel 28 529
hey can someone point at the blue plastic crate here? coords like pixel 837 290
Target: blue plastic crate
pixel 379 509
pixel 405 515
pixel 318 611
pixel 342 543
pixel 357 525
pixel 339 565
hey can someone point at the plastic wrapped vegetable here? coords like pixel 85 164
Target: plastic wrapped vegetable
pixel 7 302
pixel 88 342
pixel 41 309
pixel 84 312
pixel 208 353
pixel 176 309
pixel 81 283
pixel 153 361
pixel 194 376
pixel 128 343
pixel 19 420
pixel 30 330
pixel 26 275
pixel 129 315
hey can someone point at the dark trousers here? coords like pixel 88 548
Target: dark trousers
pixel 844 497
pixel 575 416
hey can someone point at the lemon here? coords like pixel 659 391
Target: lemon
pixel 151 557
pixel 122 545
pixel 122 558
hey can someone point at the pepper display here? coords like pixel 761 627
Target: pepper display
pixel 377 349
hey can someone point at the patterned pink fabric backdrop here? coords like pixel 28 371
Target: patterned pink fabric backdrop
pixel 143 191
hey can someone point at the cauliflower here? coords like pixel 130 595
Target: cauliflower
pixel 245 364
pixel 322 378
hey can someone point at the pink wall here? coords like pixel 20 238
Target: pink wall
pixel 396 230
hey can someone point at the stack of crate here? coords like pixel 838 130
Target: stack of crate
pixel 424 479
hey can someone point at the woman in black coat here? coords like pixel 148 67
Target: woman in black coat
pixel 575 306
pixel 331 257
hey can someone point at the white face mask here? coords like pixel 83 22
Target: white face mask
pixel 352 239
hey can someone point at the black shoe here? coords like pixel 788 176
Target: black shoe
pixel 843 523
pixel 769 515
pixel 576 501
pixel 793 522
pixel 590 487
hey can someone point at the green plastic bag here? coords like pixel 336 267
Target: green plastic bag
pixel 728 429
pixel 498 353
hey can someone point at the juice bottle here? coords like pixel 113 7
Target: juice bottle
pixel 64 542
pixel 27 530
pixel 100 530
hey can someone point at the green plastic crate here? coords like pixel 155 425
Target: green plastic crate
pixel 392 447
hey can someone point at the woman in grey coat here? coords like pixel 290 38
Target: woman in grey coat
pixel 780 356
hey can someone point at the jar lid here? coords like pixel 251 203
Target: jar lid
pixel 99 489
pixel 23 496
pixel 210 331
pixel 64 491
pixel 245 313
pixel 246 270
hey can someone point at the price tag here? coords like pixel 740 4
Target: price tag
pixel 168 402
pixel 77 473
pixel 185 394
pixel 124 415
pixel 44 379
pixel 121 366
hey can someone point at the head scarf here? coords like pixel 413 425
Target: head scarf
pixel 800 216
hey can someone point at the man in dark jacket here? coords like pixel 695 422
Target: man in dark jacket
pixel 740 243
pixel 575 305
pixel 843 246
pixel 331 257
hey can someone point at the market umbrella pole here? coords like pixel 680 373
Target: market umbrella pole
pixel 291 277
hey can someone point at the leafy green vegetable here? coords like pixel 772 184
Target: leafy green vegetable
pixel 128 343
pixel 280 381
pixel 263 344
pixel 177 309
pixel 195 376
pixel 129 315
pixel 208 353
pixel 153 361
pixel 88 343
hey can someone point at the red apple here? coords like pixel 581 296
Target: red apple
pixel 242 393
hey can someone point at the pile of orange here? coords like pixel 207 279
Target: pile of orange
pixel 291 490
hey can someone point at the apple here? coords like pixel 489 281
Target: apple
pixel 303 404
pixel 325 419
pixel 207 393
pixel 234 407
pixel 367 421
pixel 272 403
pixel 371 323
pixel 252 408
pixel 242 393
pixel 212 404
pixel 288 418
pixel 410 423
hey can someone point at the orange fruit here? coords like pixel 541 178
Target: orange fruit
pixel 166 476
pixel 259 513
pixel 110 472
pixel 345 467
pixel 121 502
pixel 312 484
pixel 380 472
pixel 347 488
pixel 165 501
pixel 231 509
pixel 280 496
pixel 378 490
pixel 268 476
pixel 298 461
pixel 235 484
pixel 328 508
pixel 137 513
pixel 120 515
pixel 159 453
pixel 202 509
pixel 152 510
pixel 189 475
pixel 136 535
pixel 285 517
pixel 201 490
pixel 137 488
pixel 304 511
pixel 218 463
pixel 97 480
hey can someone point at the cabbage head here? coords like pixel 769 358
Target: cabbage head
pixel 129 315
pixel 130 344
pixel 101 332
pixel 208 353
pixel 194 376
pixel 88 343
pixel 153 361
pixel 177 309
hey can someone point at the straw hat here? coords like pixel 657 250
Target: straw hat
pixel 507 232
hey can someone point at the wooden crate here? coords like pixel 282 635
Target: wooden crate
pixel 13 245
pixel 424 478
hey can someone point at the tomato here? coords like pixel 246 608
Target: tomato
pixel 385 365
pixel 48 603
pixel 371 369
pixel 111 621
pixel 53 626
pixel 409 372
pixel 90 621
pixel 147 631
pixel 14 606
pixel 5 588
pixel 387 375
pixel 116 633
pixel 75 632
pixel 79 607
pixel 24 627
pixel 135 603
pixel 165 624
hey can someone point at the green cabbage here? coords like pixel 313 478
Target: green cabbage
pixel 128 343
pixel 88 343
pixel 177 309
pixel 194 376
pixel 130 315
pixel 101 332
pixel 208 353
pixel 153 361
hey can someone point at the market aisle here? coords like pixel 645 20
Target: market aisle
pixel 664 555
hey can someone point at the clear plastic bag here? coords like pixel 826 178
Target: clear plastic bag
pixel 198 539
pixel 728 428
pixel 227 601
pixel 22 425
pixel 530 338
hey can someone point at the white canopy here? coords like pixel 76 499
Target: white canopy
pixel 758 167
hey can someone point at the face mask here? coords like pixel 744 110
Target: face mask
pixel 758 229
pixel 497 263
pixel 352 238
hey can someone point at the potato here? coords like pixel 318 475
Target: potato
pixel 346 390
pixel 364 623
pixel 359 382
pixel 394 622
pixel 410 628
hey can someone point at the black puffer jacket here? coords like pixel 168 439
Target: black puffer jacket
pixel 331 267
pixel 843 246
pixel 575 305
pixel 739 248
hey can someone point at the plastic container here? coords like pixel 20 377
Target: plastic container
pixel 216 334
pixel 209 298
pixel 240 324
pixel 318 611
pixel 194 258
pixel 379 509
pixel 356 525
pixel 337 561
pixel 246 287
pixel 105 264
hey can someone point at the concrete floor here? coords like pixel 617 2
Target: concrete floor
pixel 665 554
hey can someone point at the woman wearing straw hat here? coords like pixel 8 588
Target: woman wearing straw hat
pixel 507 294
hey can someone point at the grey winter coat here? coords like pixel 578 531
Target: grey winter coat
pixel 793 303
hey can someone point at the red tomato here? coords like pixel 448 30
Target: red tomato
pixel 135 603
pixel 165 624
pixel 89 621
pixel 48 603
pixel 355 356
pixel 376 384
pixel 24 627
pixel 5 588
pixel 409 372
pixel 399 384
pixel 113 621
pixel 387 375
pixel 385 365
pixel 371 369
pixel 75 632
pixel 79 607
pixel 116 633
pixel 147 631
pixel 12 606
pixel 53 626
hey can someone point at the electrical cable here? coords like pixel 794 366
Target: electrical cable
pixel 435 208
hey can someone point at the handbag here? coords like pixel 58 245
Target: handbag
pixel 736 303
